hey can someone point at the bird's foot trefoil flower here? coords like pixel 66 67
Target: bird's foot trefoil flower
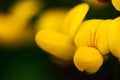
pixel 94 40
pixel 84 42
pixel 60 43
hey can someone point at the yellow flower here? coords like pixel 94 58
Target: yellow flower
pixel 116 4
pixel 13 26
pixel 86 42
pixel 63 44
pixel 94 40
pixel 60 43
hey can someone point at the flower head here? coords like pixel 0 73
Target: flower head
pixel 95 39
pixel 60 43
pixel 86 42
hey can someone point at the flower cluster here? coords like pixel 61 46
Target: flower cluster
pixel 84 42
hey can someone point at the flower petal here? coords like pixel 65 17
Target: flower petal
pixel 88 59
pixel 114 37
pixel 101 38
pixel 116 4
pixel 57 44
pixel 86 33
pixel 74 19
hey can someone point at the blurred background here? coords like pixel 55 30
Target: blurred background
pixel 22 59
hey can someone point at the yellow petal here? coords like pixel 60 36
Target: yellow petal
pixel 88 59
pixel 114 39
pixel 116 4
pixel 101 36
pixel 86 33
pixel 74 19
pixel 57 44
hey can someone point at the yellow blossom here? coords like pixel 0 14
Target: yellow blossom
pixel 86 42
pixel 60 43
pixel 94 40
pixel 116 4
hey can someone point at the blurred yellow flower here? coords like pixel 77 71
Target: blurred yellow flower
pixel 116 4
pixel 51 19
pixel 14 25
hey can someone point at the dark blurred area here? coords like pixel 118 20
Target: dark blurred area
pixel 5 4
pixel 31 63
